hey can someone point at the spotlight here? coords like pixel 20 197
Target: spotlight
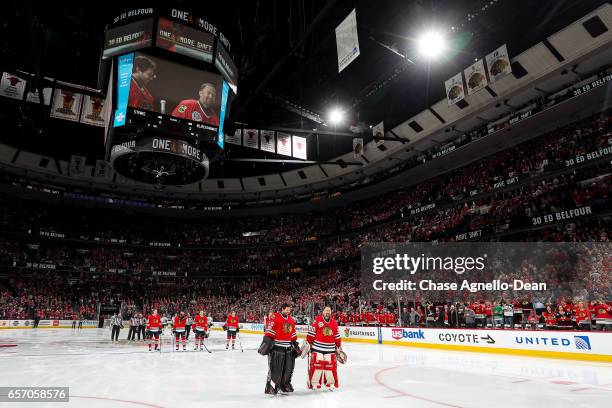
pixel 336 116
pixel 431 44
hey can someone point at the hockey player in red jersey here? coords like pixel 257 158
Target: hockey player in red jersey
pixel 143 73
pixel 280 345
pixel 324 341
pixel 154 328
pixel 231 325
pixel 178 326
pixel 201 329
pixel 201 109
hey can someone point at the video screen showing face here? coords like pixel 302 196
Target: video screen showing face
pixel 172 89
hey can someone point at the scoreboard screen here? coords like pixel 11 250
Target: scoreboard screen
pixel 176 37
pixel 129 37
pixel 164 95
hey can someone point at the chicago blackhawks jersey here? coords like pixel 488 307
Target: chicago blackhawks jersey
pixel 191 109
pixel 323 335
pixel 231 322
pixel 281 329
pixel 201 322
pixel 154 323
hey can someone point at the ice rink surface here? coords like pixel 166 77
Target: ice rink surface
pixel 104 374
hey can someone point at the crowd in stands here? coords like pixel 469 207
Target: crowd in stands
pixel 309 259
pixel 529 159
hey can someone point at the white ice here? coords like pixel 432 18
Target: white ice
pixel 102 374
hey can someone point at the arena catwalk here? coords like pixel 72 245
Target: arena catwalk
pixel 125 374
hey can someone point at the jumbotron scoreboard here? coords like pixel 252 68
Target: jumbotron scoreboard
pixel 172 80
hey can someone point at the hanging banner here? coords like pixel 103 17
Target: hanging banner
pixel 454 89
pixel 93 111
pixel 475 76
pixel 32 95
pixel 267 140
pixel 347 41
pixel 283 144
pixel 66 104
pixel 379 131
pixel 77 165
pixel 299 147
pixel 498 63
pixel 12 86
pixel 357 147
pixel 250 138
pixel 236 138
pixel 102 169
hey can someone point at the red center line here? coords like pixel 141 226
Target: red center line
pixel 405 394
pixel 144 404
pixel 581 389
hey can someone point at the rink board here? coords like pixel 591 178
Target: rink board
pixel 590 346
pixel 46 324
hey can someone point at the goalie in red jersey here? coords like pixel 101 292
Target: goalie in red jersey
pixel 280 345
pixel 201 329
pixel 325 346
pixel 201 109
pixel 154 328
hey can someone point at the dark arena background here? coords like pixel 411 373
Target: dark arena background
pixel 306 203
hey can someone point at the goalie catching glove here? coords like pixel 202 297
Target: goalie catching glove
pixel 341 356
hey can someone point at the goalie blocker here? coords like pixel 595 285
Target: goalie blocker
pixel 325 346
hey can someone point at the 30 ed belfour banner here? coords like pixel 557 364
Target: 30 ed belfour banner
pixel 347 41
pixel 299 147
pixel 283 144
pixel 93 111
pixel 379 131
pixel 454 89
pixel 250 138
pixel 498 63
pixel 12 86
pixel 268 140
pixel 66 104
pixel 236 138
pixel 476 77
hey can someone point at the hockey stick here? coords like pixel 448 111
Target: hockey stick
pixel 240 342
pixel 206 348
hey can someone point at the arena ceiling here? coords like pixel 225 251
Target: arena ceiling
pixel 285 48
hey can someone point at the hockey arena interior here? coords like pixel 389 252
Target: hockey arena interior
pixel 306 203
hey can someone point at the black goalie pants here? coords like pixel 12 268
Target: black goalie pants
pixel 281 362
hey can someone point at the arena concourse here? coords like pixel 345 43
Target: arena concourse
pixel 190 198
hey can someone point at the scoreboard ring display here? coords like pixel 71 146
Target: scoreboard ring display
pixel 171 76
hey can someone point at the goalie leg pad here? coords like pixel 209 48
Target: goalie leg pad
pixel 277 366
pixel 288 371
pixel 322 371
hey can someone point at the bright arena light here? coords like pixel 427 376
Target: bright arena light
pixel 336 116
pixel 431 44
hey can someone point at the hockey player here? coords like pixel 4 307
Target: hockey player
pixel 231 324
pixel 324 342
pixel 154 328
pixel 201 329
pixel 280 345
pixel 178 325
